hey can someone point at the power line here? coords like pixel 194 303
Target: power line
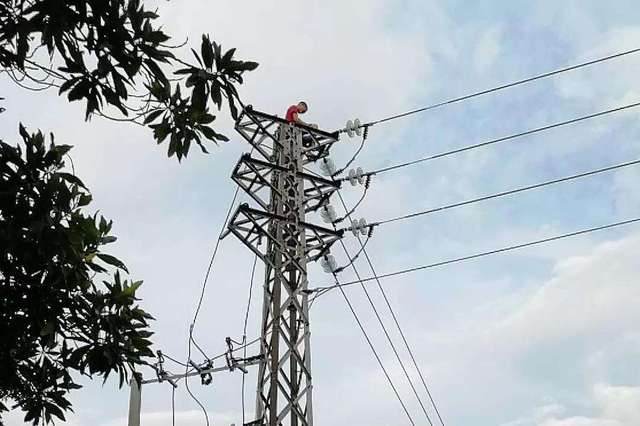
pixel 478 255
pixel 173 406
pixel 386 333
pixel 502 87
pixel 373 349
pixel 397 323
pixel 244 331
pixel 213 256
pixel 195 316
pixel 503 139
pixel 506 193
pixel 174 360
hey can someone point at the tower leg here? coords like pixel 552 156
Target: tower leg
pixel 284 377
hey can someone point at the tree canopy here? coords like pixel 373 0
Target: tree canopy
pixel 112 55
pixel 65 309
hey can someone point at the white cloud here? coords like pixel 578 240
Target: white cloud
pixel 492 344
pixel 183 418
pixel 487 49
pixel 610 83
pixel 613 406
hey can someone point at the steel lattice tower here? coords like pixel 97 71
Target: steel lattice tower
pixel 285 194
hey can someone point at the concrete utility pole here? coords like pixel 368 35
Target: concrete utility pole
pixel 285 194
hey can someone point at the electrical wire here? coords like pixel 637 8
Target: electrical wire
pixel 353 258
pixel 482 254
pixel 506 193
pixel 373 349
pixel 244 332
pixel 504 86
pixel 503 139
pixel 397 323
pixel 386 333
pixel 173 406
pixel 197 312
pixel 213 256
pixel 355 155
pixel 174 360
pixel 373 306
pixel 357 204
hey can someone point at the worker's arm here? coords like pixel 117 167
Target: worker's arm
pixel 298 120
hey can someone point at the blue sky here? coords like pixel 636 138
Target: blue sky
pixel 542 337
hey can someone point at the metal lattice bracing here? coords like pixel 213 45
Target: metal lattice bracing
pixel 254 176
pixel 251 226
pixel 284 193
pixel 261 131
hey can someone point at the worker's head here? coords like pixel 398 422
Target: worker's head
pixel 302 107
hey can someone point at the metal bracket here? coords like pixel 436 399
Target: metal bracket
pixel 254 176
pixel 261 131
pixel 250 225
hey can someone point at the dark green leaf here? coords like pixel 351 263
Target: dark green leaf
pixel 152 116
pixel 71 179
pixel 207 52
pixel 111 260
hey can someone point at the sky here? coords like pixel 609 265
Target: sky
pixel 544 336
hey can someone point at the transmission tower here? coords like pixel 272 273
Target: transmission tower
pixel 280 235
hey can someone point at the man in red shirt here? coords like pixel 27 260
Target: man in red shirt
pixel 294 111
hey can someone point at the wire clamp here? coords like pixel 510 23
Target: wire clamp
pixel 205 377
pixel 232 362
pixel 161 373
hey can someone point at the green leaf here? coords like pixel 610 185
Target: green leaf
pixel 207 52
pixel 211 134
pixel 216 94
pixel 160 131
pixel 205 118
pixel 67 85
pixel 84 200
pixel 183 71
pixel 107 239
pixel 249 66
pixel 56 411
pixel 61 150
pixel 224 62
pixel 71 179
pixel 199 96
pixel 111 260
pixel 197 57
pixel 131 290
pixel 152 116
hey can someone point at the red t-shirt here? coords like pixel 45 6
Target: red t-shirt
pixel 293 109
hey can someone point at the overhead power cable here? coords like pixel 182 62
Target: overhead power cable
pixel 244 332
pixel 199 305
pixel 395 319
pixel 503 139
pixel 386 333
pixel 478 255
pixel 507 193
pixel 373 349
pixel 504 86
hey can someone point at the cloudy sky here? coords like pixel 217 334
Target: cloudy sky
pixel 546 336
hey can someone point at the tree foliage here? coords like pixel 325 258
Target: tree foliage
pixel 65 309
pixel 112 55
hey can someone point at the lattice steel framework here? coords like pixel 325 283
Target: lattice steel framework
pixel 285 193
